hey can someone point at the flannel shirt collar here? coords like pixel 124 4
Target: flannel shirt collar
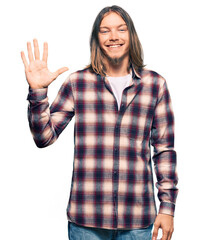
pixel 136 76
pixel 135 85
pixel 134 72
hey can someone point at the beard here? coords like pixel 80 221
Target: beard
pixel 115 61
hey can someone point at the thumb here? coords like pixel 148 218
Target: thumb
pixel 60 71
pixel 155 232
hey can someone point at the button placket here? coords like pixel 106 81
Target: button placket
pixel 115 172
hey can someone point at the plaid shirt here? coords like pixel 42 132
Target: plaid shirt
pixel 112 183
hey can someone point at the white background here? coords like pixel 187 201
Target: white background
pixel 35 183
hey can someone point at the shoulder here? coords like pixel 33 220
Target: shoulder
pixel 83 74
pixel 152 77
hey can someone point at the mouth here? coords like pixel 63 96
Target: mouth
pixel 114 45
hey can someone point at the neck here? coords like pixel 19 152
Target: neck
pixel 117 70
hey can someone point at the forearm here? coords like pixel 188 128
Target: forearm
pixel 39 118
pixel 45 124
pixel 165 169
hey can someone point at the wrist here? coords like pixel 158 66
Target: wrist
pixel 167 208
pixel 33 86
pixel 38 94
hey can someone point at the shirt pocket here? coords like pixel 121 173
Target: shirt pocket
pixel 139 146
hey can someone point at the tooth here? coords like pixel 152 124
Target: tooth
pixel 115 46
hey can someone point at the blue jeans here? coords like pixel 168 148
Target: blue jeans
pixel 77 232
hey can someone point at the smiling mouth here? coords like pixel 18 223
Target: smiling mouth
pixel 114 45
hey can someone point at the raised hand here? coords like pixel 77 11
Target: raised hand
pixel 37 73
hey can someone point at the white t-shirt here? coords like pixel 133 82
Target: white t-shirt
pixel 118 84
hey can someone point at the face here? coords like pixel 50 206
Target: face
pixel 114 38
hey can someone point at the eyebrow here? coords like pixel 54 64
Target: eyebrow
pixel 117 26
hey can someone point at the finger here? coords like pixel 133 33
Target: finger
pixel 155 233
pixel 165 235
pixel 24 60
pixel 170 236
pixel 30 54
pixel 36 49
pixel 60 71
pixel 45 52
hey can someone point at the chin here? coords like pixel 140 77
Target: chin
pixel 115 60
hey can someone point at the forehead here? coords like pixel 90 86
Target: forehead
pixel 112 19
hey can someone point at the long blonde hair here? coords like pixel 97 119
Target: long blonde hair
pixel 135 48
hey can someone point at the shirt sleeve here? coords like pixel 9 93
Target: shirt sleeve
pixel 164 156
pixel 46 123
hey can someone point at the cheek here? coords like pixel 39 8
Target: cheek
pixel 100 43
pixel 128 44
pixel 128 39
pixel 102 40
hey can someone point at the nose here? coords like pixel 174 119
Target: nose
pixel 113 36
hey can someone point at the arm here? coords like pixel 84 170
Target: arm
pixel 46 123
pixel 162 139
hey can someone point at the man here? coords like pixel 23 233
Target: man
pixel 121 109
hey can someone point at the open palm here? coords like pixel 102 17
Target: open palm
pixel 37 73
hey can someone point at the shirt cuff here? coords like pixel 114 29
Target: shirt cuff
pixel 167 208
pixel 37 94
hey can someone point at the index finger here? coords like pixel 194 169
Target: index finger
pixel 45 52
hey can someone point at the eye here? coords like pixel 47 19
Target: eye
pixel 103 31
pixel 122 30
